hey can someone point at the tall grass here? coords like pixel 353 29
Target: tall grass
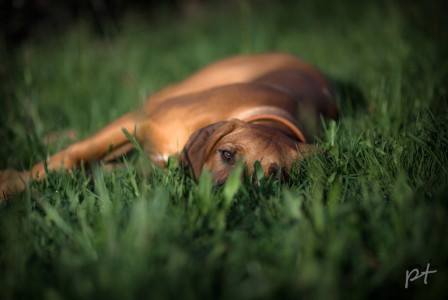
pixel 348 224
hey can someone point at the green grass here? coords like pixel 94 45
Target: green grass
pixel 347 225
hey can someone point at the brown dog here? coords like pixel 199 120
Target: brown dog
pixel 259 107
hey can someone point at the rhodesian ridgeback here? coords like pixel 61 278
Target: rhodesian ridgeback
pixel 256 108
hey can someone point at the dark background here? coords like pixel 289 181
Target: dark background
pixel 22 19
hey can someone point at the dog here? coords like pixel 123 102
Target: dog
pixel 257 108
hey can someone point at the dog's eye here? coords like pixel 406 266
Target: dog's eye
pixel 226 155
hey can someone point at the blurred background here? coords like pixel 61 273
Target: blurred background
pixel 22 19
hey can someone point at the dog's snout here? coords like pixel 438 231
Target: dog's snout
pixel 272 169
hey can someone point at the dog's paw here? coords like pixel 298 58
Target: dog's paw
pixel 11 182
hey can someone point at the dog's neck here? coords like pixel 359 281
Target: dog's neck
pixel 265 110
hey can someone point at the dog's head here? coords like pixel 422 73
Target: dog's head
pixel 273 141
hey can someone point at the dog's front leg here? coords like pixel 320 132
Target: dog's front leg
pixel 93 148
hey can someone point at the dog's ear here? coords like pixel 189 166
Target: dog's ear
pixel 201 142
pixel 291 128
pixel 285 125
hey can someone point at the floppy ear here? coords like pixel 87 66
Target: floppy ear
pixel 302 150
pixel 201 142
pixel 279 122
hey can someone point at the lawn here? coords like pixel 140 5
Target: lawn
pixel 351 223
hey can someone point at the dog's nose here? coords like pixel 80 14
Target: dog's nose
pixel 272 169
